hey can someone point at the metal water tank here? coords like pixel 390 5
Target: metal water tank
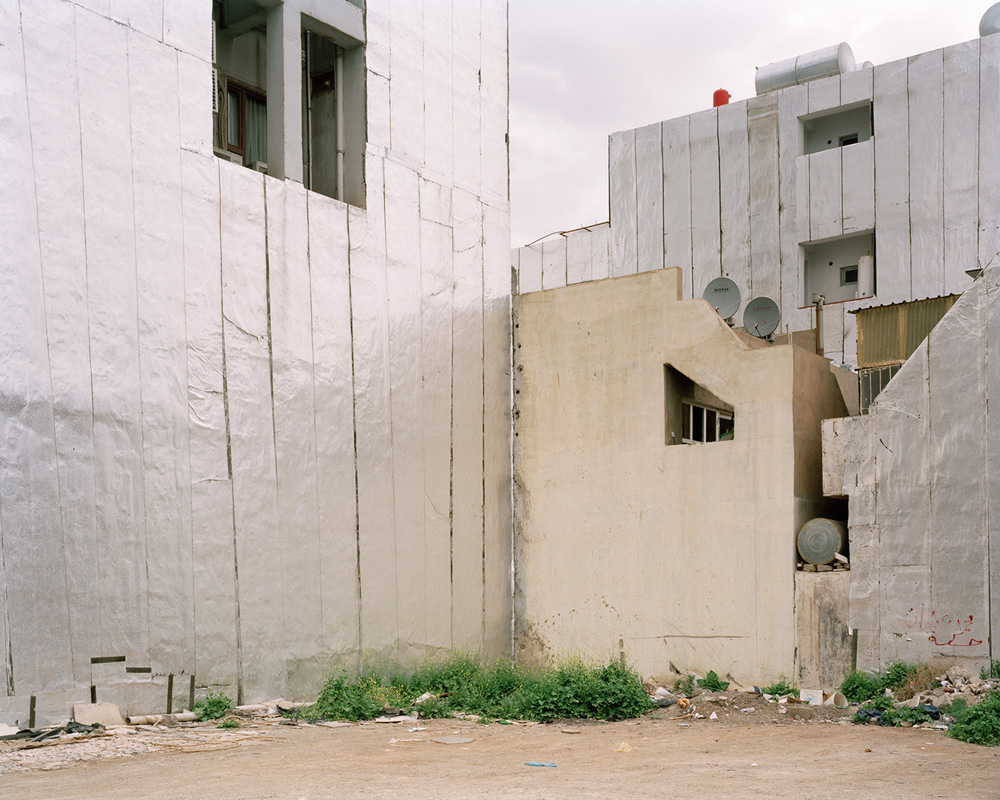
pixel 837 59
pixel 990 23
pixel 820 540
pixel 720 98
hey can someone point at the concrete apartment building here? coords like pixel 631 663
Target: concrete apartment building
pixel 256 424
pixel 866 185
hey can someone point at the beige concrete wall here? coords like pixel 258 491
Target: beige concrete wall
pixel 823 638
pixel 684 554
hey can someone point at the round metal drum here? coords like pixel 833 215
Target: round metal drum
pixel 820 540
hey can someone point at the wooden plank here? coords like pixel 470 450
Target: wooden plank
pixel 926 126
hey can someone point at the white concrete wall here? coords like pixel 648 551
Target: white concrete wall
pixel 924 525
pixel 249 432
pixel 730 194
pixel 684 554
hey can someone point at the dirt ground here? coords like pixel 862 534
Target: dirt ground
pixel 742 754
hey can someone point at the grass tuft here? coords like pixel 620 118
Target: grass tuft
pixel 460 682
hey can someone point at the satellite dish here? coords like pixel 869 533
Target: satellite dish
pixel 761 317
pixel 819 540
pixel 723 295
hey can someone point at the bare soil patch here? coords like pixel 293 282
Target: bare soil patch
pixel 742 754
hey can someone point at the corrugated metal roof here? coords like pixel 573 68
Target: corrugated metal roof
pixel 889 334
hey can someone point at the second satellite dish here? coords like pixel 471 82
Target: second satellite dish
pixel 761 317
pixel 723 295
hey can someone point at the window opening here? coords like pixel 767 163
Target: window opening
pixel 692 413
pixel 246 125
pixel 842 268
pixel 323 115
pixel 835 127
pixel 851 138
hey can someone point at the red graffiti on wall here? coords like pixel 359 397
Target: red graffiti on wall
pixel 945 630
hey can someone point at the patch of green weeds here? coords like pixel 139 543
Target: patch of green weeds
pixel 712 683
pixel 214 706
pixel 782 687
pixel 978 724
pixel 860 686
pixel 993 671
pixel 687 685
pixel 230 722
pixel 460 682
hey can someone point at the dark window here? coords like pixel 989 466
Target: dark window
pixel 246 123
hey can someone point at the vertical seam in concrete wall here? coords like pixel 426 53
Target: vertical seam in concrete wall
pixel 777 139
pixel 90 338
pixel 388 361
pixel 229 454
pixel 48 349
pixel 482 404
pixel 718 159
pixel 909 196
pixel 690 214
pixel 274 423
pixel 138 334
pixel 354 428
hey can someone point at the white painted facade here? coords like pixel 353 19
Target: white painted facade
pixel 250 432
pixel 738 191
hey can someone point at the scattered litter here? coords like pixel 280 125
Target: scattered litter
pixel 754 764
pixel 453 739
pixel 424 698
pixel 334 724
pixel 747 710
pixel 713 715
pixel 624 748
pixel 683 724
pixel 571 730
pixel 418 728
pixel 399 718
pixel 537 764
pixel 410 739
pixel 813 696
pixel 868 749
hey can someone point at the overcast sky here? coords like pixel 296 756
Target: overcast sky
pixel 581 69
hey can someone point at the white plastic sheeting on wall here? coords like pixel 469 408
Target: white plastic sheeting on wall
pixel 923 544
pixel 251 434
pixel 735 180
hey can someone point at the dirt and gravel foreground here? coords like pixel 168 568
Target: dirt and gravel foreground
pixel 740 755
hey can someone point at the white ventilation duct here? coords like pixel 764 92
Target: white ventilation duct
pixel 837 59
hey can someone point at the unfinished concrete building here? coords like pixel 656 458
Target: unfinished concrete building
pixel 838 188
pixel 255 397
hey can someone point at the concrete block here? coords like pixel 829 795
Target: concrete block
pixel 106 714
pixel 833 458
